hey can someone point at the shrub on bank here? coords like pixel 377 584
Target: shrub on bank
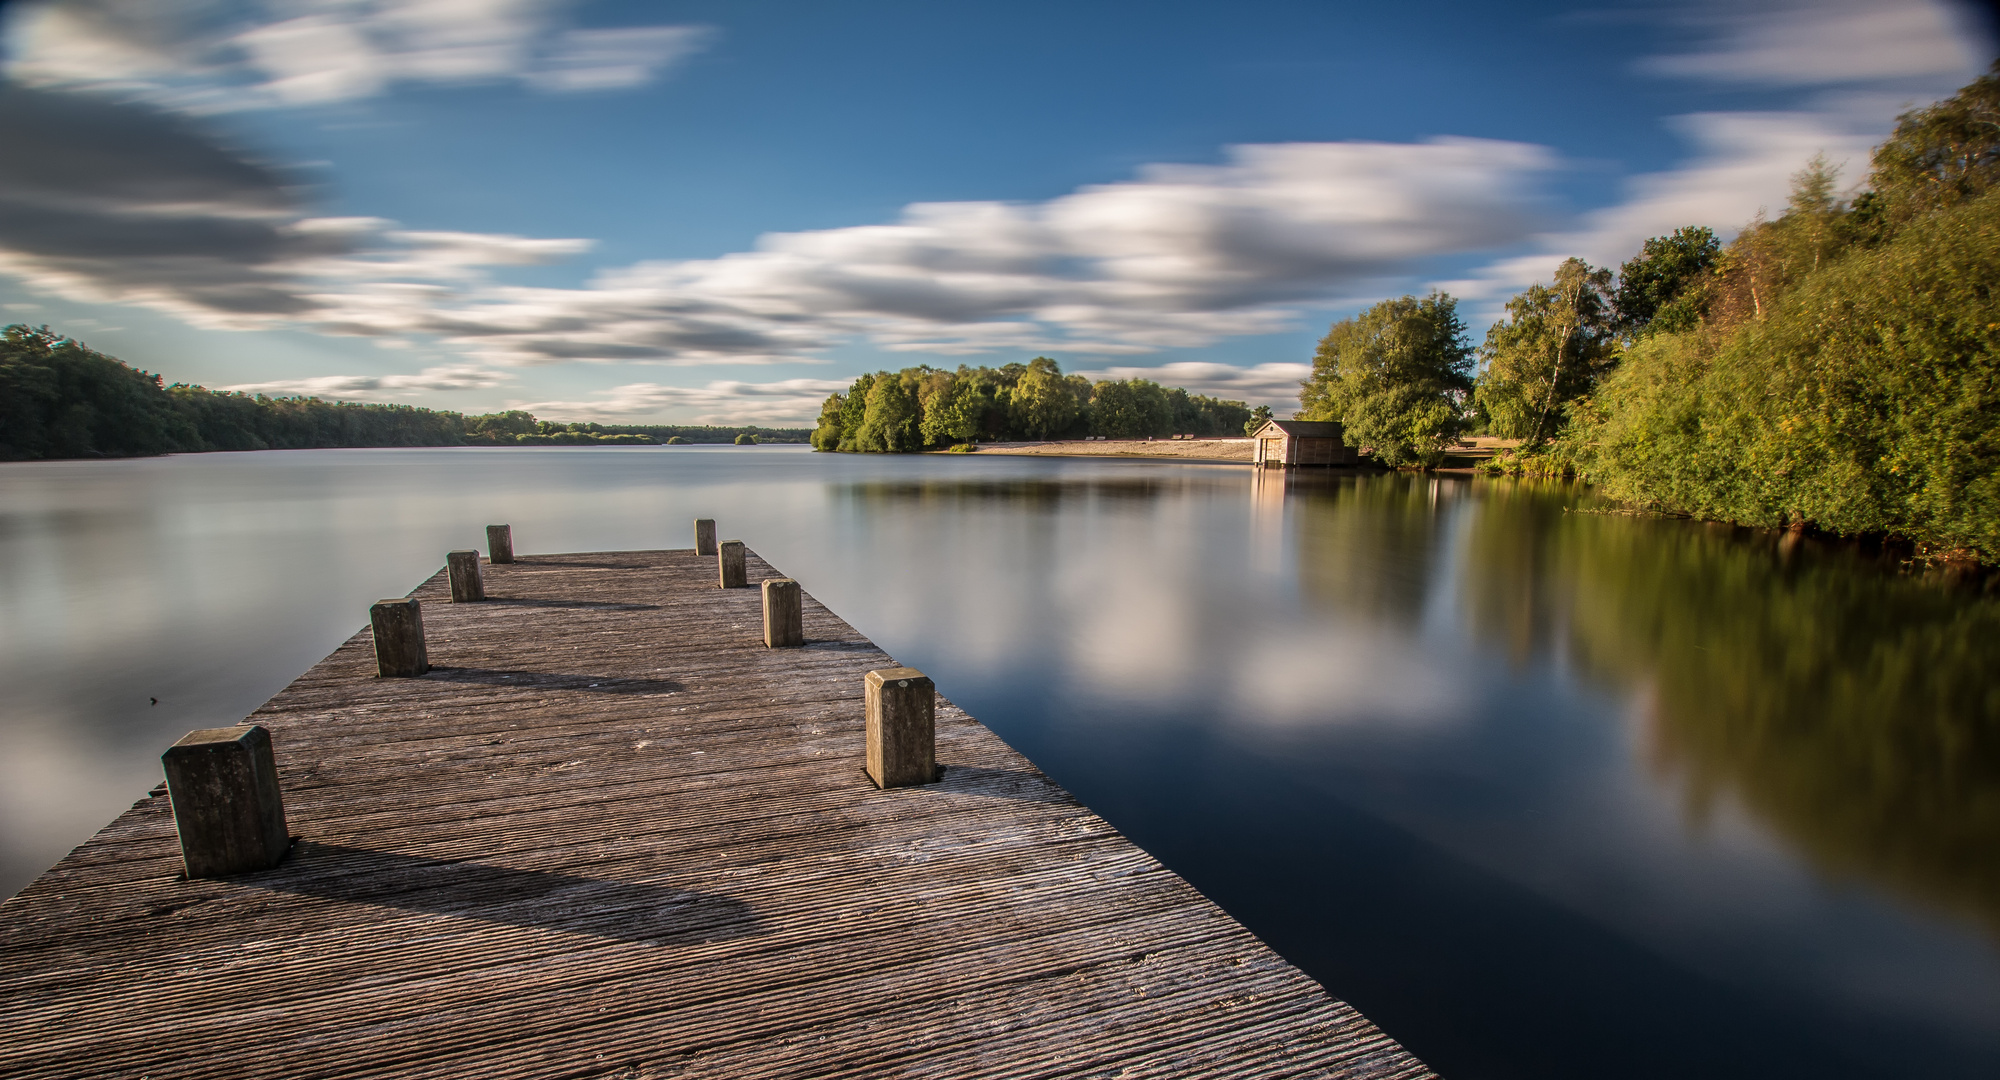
pixel 1866 400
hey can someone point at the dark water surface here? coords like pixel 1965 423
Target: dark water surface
pixel 1545 793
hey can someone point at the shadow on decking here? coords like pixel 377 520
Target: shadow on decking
pixel 1004 784
pixel 588 605
pixel 534 899
pixel 841 646
pixel 542 680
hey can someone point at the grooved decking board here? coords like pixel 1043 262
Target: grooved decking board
pixel 613 835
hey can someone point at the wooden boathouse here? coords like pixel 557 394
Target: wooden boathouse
pixel 1285 443
pixel 603 817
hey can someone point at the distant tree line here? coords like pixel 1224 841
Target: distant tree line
pixel 62 399
pixel 516 427
pixel 924 407
pixel 1836 368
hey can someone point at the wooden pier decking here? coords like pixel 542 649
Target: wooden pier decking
pixel 613 835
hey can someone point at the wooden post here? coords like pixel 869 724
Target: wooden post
pixel 784 619
pixel 227 808
pixel 704 536
pixel 729 564
pixel 902 727
pixel 500 543
pixel 399 638
pixel 466 582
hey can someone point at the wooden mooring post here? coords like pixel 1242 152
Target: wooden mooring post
pixel 784 616
pixel 730 573
pixel 901 703
pixel 500 543
pixel 228 811
pixel 704 536
pixel 462 567
pixel 398 625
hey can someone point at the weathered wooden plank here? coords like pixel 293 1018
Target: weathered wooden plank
pixel 611 833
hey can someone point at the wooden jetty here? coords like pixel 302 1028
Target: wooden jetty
pixel 611 834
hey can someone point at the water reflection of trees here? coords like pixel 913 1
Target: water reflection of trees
pixel 1016 491
pixel 1855 711
pixel 1367 542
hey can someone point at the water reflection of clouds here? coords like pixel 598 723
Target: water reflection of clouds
pixel 1115 580
pixel 1067 577
pixel 1347 676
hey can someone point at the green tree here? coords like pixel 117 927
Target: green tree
pixel 1396 376
pixel 512 422
pixel 1199 414
pixel 1259 416
pixel 853 407
pixel 1769 257
pixel 60 398
pixel 1663 287
pixel 827 435
pixel 890 418
pixel 1551 349
pixel 1043 404
pixel 1130 409
pixel 957 413
pixel 934 392
pixel 1941 155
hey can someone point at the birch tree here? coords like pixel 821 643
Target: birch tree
pixel 1551 349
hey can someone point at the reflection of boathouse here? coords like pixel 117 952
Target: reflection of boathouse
pixel 1301 442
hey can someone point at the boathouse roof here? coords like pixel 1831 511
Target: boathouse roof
pixel 1304 429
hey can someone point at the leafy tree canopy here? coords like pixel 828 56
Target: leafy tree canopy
pixel 1556 342
pixel 1941 155
pixel 1396 376
pixel 1845 374
pixel 920 407
pixel 1662 287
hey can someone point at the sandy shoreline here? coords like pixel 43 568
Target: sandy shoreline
pixel 1218 450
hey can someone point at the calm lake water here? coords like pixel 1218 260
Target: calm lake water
pixel 1545 793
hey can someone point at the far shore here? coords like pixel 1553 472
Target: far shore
pixel 1224 450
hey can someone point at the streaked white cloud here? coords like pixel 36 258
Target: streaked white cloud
pixel 1262 384
pixel 381 387
pixel 1181 255
pixel 583 60
pixel 793 402
pixel 1826 42
pixel 233 54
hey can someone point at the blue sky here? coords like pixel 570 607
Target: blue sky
pixel 720 212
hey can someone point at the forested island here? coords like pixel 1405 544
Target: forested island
pixel 62 399
pixel 925 408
